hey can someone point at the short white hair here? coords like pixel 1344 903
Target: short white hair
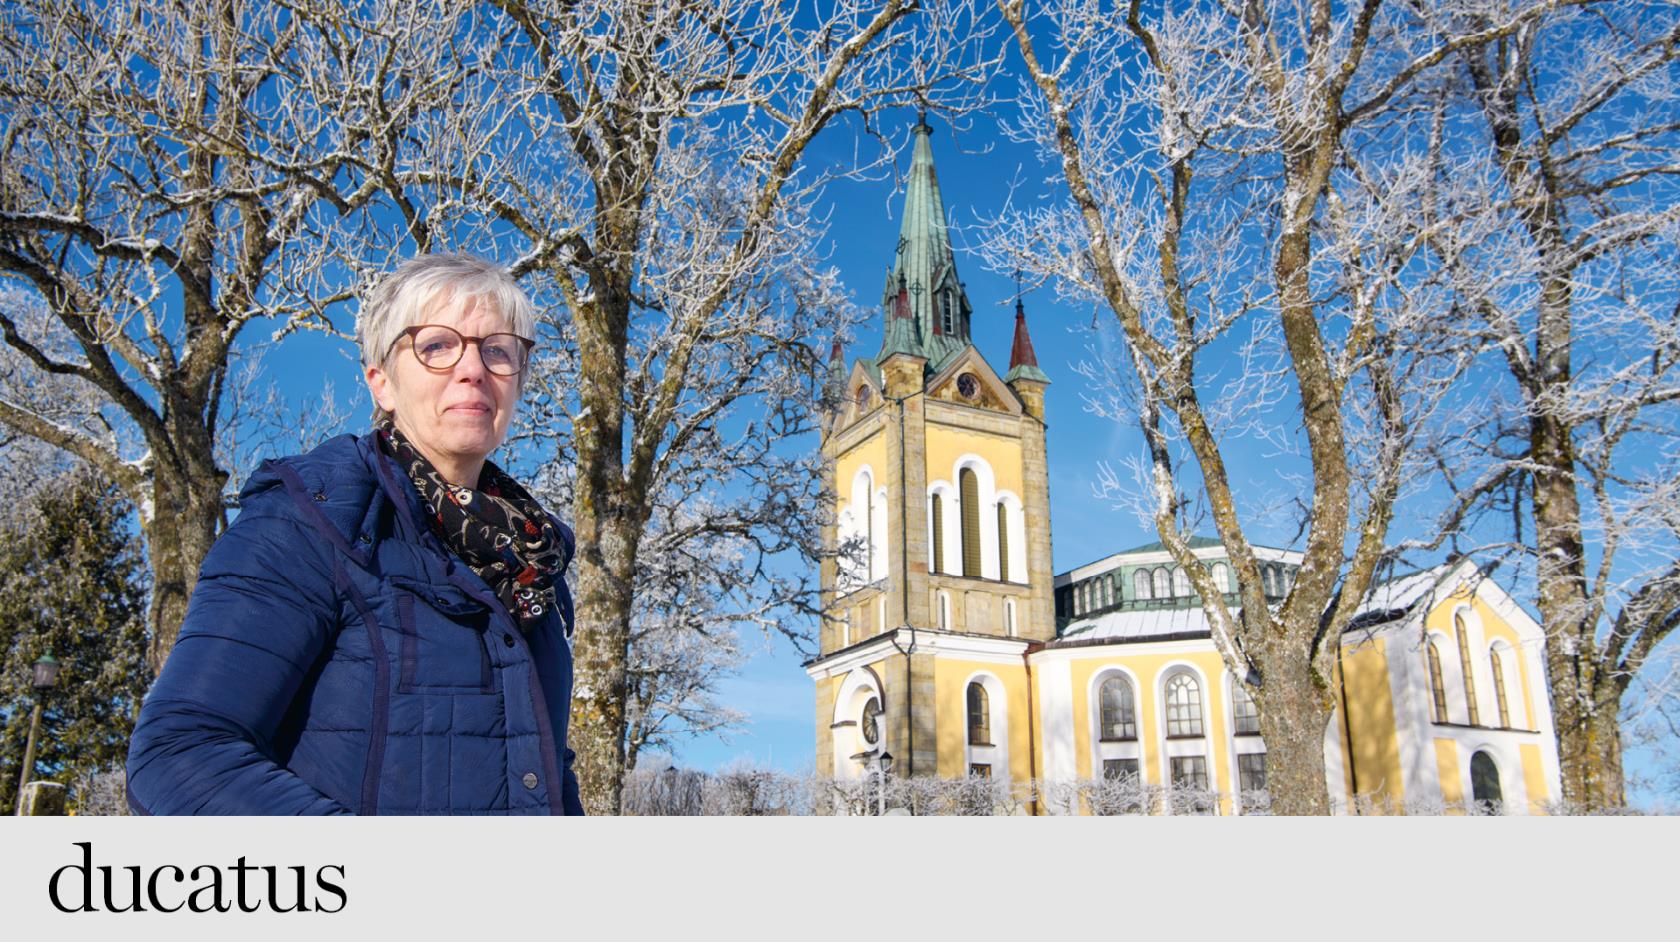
pixel 406 296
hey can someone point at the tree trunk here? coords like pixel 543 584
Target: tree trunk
pixel 185 516
pixel 600 661
pixel 1584 703
pixel 1295 710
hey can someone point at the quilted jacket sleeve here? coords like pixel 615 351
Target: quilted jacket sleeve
pixel 264 609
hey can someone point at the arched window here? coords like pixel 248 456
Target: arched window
pixel 871 714
pixel 1244 711
pixel 970 487
pixel 1118 709
pixel 1140 584
pixel 979 716
pixel 1163 584
pixel 1484 784
pixel 1499 688
pixel 938 514
pixel 1464 661
pixel 1222 577
pixel 1437 687
pixel 1181 582
pixel 1003 542
pixel 1184 706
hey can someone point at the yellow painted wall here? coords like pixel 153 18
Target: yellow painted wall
pixel 945 445
pixel 950 691
pixel 1147 669
pixel 1446 764
pixel 1440 619
pixel 1534 776
pixel 873 452
pixel 1375 762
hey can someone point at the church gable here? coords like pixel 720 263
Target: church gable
pixel 970 381
pixel 862 395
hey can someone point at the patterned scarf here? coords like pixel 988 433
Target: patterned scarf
pixel 499 530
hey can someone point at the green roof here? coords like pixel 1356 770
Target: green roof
pixel 927 266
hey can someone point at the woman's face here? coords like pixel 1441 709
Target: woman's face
pixel 456 416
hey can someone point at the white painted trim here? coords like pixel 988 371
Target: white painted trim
pixel 997 709
pixel 985 486
pixel 1054 683
pixel 1158 557
pixel 1169 749
pixel 849 701
pixel 1014 517
pixel 1120 749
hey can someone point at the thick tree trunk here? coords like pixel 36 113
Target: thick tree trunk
pixel 185 516
pixel 1585 703
pixel 1295 710
pixel 600 660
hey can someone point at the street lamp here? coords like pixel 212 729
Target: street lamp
pixel 45 674
pixel 883 762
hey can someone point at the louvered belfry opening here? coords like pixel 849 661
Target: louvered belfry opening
pixel 1003 542
pixel 970 522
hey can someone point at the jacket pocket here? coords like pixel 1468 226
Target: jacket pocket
pixel 443 647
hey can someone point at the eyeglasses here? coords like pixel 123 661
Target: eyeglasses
pixel 438 348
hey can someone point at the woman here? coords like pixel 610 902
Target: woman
pixel 385 628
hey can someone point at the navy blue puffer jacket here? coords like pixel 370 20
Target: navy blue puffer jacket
pixel 336 658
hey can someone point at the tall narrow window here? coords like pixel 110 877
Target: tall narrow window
pixel 979 716
pixel 869 535
pixel 947 323
pixel 1437 687
pixel 1464 661
pixel 1003 542
pixel 1009 617
pixel 1118 716
pixel 1251 771
pixel 938 512
pixel 1163 584
pixel 943 600
pixel 1222 577
pixel 1181 582
pixel 1184 706
pixel 1499 689
pixel 1140 584
pixel 970 486
pixel 1245 712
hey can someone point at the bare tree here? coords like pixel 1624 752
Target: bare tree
pixel 172 175
pixel 1237 201
pixel 1569 133
pixel 673 222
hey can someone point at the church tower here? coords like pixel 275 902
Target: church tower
pixel 943 578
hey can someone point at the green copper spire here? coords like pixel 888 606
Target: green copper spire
pixel 900 336
pixel 938 304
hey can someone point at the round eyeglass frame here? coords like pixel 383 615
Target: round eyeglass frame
pixel 412 332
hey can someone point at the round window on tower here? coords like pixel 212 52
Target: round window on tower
pixel 968 385
pixel 871 712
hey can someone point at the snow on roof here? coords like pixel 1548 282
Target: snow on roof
pixel 1133 624
pixel 1397 597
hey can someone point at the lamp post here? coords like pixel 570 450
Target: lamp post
pixel 45 675
pixel 883 762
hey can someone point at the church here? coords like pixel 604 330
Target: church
pixel 950 645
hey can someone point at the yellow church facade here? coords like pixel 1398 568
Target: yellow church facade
pixel 951 648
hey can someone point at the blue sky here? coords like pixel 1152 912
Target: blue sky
pixel 977 168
